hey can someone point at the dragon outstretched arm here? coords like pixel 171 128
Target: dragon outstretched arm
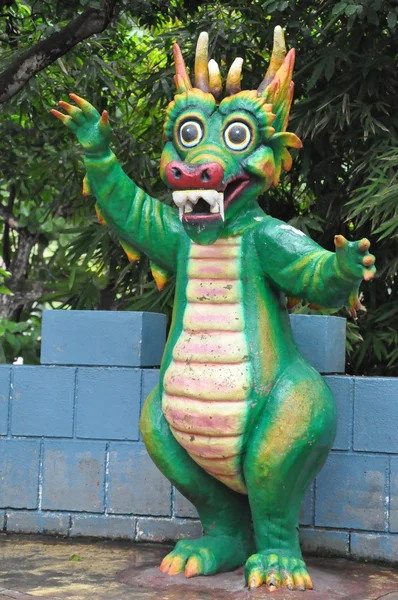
pixel 141 222
pixel 303 269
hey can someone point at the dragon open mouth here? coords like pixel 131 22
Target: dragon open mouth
pixel 197 205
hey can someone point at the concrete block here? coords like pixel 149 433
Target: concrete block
pixel 73 476
pixel 102 338
pixel 5 375
pixel 350 492
pixel 307 507
pixel 150 379
pixel 108 403
pixel 321 340
pixel 342 388
pixel 376 414
pixel 167 530
pixel 103 526
pixel 43 400
pixel 183 507
pixel 37 522
pixel 19 473
pixel 375 546
pixel 394 495
pixel 324 542
pixel 135 484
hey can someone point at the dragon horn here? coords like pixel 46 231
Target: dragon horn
pixel 278 55
pixel 215 80
pixel 181 78
pixel 233 78
pixel 201 60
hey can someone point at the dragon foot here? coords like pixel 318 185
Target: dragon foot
pixel 277 570
pixel 206 556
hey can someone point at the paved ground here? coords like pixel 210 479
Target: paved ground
pixel 37 567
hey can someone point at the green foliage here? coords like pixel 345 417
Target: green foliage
pixel 20 339
pixel 343 181
pixel 3 288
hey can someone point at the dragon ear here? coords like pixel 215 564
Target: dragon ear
pixel 201 63
pixel 181 78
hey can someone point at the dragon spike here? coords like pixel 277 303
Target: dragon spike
pixel 277 57
pixel 132 254
pixel 280 91
pixel 279 86
pixel 181 78
pixel 86 191
pixel 159 274
pixel 233 78
pixel 201 63
pixel 215 82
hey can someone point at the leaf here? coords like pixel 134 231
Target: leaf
pixel 5 290
pixel 392 20
pixel 339 8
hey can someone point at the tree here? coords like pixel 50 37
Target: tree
pixel 343 181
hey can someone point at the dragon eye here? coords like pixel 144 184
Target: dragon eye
pixel 237 136
pixel 191 132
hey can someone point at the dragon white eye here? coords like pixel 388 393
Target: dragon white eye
pixel 237 136
pixel 191 132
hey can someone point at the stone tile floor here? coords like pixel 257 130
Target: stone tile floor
pixel 34 567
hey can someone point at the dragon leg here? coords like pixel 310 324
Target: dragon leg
pixel 225 514
pixel 286 450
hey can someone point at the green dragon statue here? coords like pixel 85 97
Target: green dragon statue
pixel 240 423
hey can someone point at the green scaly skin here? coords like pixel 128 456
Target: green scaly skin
pixel 289 419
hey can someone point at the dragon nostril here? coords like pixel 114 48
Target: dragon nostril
pixel 177 173
pixel 205 176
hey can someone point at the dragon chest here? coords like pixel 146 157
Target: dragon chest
pixel 206 386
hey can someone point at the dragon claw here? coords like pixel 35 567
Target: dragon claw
pixel 368 260
pixel 364 244
pixel 73 111
pixel 64 118
pixel 255 581
pixel 368 274
pixel 104 120
pixel 87 109
pixel 340 241
pixel 193 567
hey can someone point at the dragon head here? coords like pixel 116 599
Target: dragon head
pixel 221 153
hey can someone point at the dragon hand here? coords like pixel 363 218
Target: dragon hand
pixel 91 129
pixel 354 259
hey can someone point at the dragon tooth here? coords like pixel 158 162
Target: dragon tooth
pixel 221 204
pixel 194 195
pixel 211 196
pixel 181 212
pixel 179 197
pixel 188 207
pixel 215 209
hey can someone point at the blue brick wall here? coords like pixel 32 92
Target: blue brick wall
pixel 72 462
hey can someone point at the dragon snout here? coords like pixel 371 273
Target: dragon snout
pixel 186 176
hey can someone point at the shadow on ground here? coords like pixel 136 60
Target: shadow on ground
pixel 40 567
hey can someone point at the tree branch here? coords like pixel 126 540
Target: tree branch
pixel 8 217
pixel 44 53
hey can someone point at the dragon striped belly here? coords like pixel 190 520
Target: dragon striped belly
pixel 207 383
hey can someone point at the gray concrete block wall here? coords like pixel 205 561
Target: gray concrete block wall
pixel 72 462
